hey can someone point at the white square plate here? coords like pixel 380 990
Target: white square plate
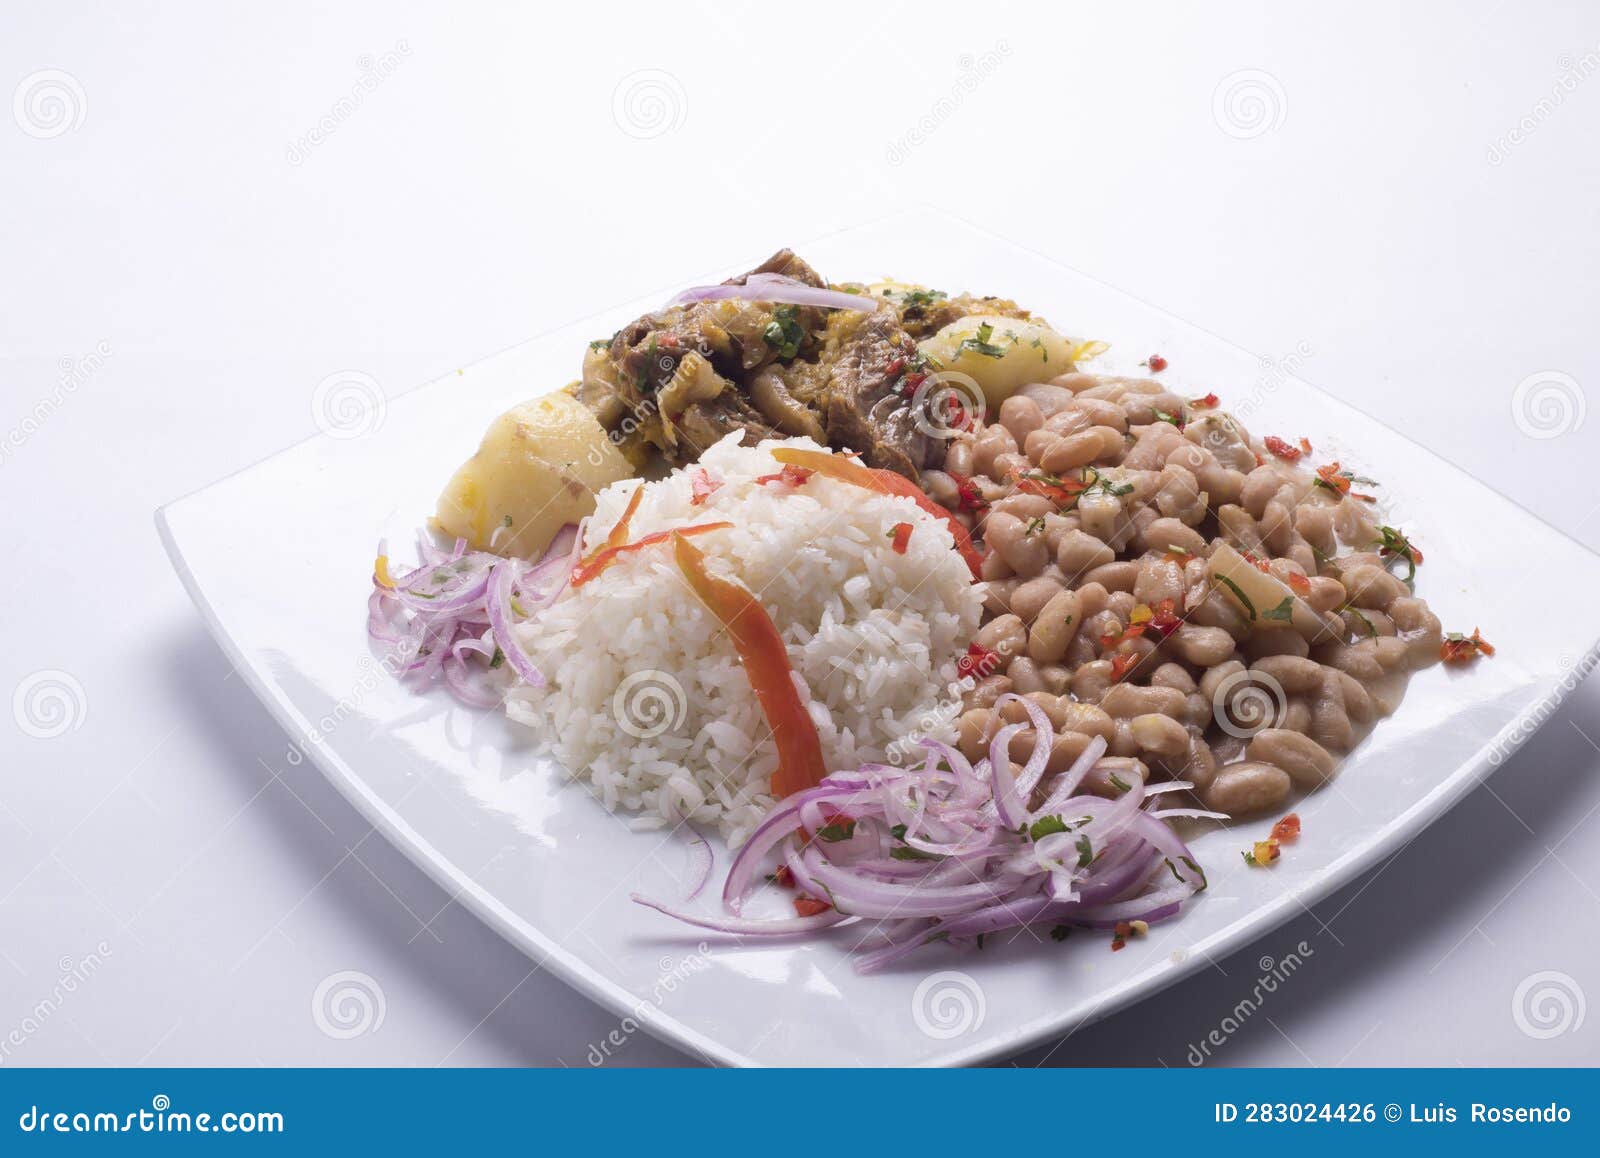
pixel 278 559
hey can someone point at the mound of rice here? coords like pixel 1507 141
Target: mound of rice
pixel 646 698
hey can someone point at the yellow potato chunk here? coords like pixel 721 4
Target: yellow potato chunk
pixel 999 353
pixel 537 469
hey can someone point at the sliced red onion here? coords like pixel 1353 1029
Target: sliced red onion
pixel 700 861
pixel 948 851
pixel 451 615
pixel 774 287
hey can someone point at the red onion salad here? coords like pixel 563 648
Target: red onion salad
pixel 453 615
pixel 775 287
pixel 951 851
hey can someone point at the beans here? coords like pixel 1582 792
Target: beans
pixel 1099 779
pixel 1076 450
pixel 1078 553
pixel 1330 724
pixel 972 730
pixel 1092 679
pixel 1172 675
pixel 1307 762
pixel 1295 675
pixel 1006 636
pixel 1057 622
pixel 958 457
pixel 1047 398
pixel 1202 646
pixel 1120 576
pixel 1128 700
pixel 1160 734
pixel 1060 571
pixel 991 441
pixel 1021 415
pixel 1165 533
pixel 987 691
pixel 1248 787
pixel 1021 544
pixel 1025 676
pixel 1031 596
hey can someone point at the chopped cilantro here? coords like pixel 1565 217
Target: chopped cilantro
pixel 1045 826
pixel 980 343
pixel 784 334
pixel 1283 613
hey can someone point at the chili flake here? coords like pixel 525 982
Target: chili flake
pixel 979 662
pixel 971 497
pixel 1282 449
pixel 790 476
pixel 1458 648
pixel 1122 663
pixel 1338 481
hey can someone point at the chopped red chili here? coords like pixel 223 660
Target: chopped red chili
pixel 1156 363
pixel 1209 401
pixel 810 906
pixel 979 662
pixel 1458 648
pixel 702 486
pixel 1287 828
pixel 789 476
pixel 1282 449
pixel 902 536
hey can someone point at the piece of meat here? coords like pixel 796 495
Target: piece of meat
pixel 770 370
pixel 867 411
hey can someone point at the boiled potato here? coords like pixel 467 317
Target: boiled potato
pixel 537 469
pixel 999 353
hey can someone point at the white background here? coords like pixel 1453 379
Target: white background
pixel 512 171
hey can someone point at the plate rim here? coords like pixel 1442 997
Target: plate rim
pixel 528 939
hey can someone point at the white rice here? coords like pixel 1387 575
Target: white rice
pixel 646 698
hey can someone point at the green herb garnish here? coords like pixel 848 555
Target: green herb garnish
pixel 980 344
pixel 784 333
pixel 1045 826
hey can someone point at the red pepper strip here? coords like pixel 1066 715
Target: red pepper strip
pixel 766 665
pixel 617 537
pixel 591 567
pixel 902 537
pixel 885 482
